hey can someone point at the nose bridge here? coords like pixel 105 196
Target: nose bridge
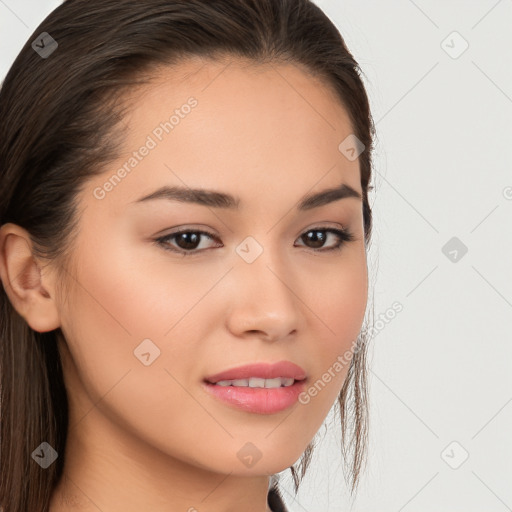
pixel 263 263
pixel 264 299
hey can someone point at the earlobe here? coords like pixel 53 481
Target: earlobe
pixel 30 291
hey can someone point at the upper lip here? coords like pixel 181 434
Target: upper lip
pixel 285 369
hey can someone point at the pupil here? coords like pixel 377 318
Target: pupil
pixel 188 244
pixel 318 240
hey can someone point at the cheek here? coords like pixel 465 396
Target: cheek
pixel 115 307
pixel 128 294
pixel 338 305
pixel 134 290
pixel 117 302
pixel 336 295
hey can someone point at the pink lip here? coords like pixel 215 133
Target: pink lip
pixel 258 400
pixel 284 369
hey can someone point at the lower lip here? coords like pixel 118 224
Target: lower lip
pixel 257 400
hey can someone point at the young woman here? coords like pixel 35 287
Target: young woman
pixel 184 225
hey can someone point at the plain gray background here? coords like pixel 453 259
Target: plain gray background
pixel 440 380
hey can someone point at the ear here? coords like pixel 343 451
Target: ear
pixel 30 290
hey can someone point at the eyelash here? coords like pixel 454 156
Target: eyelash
pixel 344 236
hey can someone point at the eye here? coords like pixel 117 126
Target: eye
pixel 188 240
pixel 311 236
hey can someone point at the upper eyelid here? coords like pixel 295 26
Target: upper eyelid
pixel 206 231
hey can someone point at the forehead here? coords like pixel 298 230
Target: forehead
pixel 237 126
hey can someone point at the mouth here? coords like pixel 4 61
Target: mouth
pixel 258 388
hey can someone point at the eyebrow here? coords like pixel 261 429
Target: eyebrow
pixel 215 199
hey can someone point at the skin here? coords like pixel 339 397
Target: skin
pixel 148 437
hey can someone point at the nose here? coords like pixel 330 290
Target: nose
pixel 263 302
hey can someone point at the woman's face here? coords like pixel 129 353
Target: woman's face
pixel 146 324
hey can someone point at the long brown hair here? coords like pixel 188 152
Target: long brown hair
pixel 60 125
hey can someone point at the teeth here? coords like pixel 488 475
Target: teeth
pixel 256 382
pixel 223 383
